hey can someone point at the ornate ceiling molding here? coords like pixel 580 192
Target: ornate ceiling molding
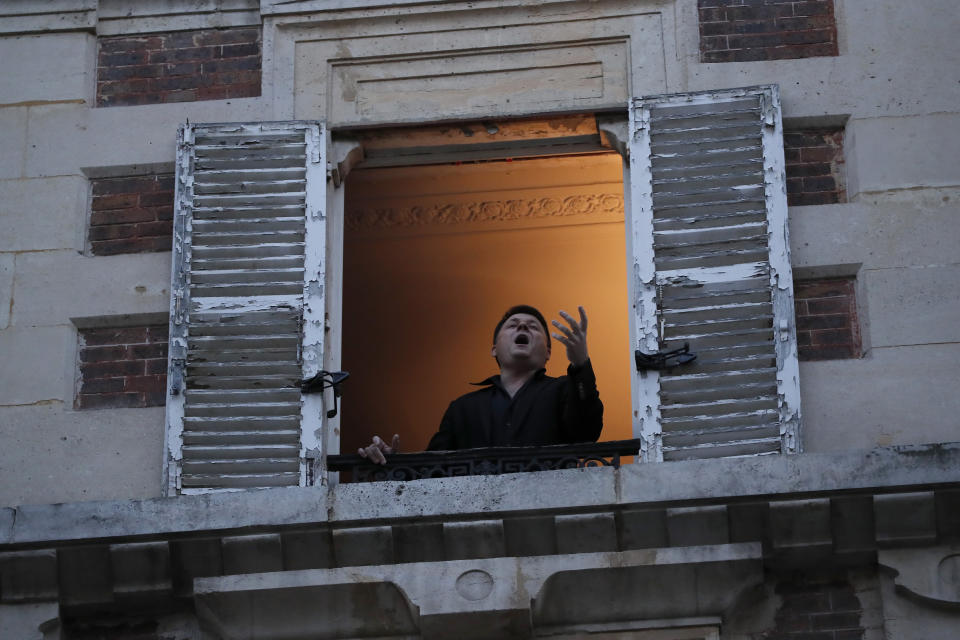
pixel 600 207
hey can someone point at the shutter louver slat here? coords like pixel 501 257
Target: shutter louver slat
pixel 711 193
pixel 245 210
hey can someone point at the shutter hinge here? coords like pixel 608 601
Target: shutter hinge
pixel 325 380
pixel 312 461
pixel 664 360
pixel 177 365
pixel 767 110
pixel 784 331
pixel 317 139
pixel 300 337
pixel 178 306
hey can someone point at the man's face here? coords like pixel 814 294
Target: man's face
pixel 521 341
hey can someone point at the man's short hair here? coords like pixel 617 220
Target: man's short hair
pixel 522 308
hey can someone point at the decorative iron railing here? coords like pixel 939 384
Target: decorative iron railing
pixel 483 461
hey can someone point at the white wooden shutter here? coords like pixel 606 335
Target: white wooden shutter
pixel 247 306
pixel 708 236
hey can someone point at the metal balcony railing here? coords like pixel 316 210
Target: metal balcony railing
pixel 483 461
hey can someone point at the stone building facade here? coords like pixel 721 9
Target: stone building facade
pixel 453 138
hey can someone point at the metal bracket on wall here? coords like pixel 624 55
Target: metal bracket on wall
pixel 663 360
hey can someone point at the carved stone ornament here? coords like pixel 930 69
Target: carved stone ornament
pixel 491 211
pixel 928 574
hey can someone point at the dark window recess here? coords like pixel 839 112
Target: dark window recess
pixel 827 323
pixel 123 367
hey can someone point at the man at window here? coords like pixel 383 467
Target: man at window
pixel 522 405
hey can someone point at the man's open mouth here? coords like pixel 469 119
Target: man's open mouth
pixel 521 338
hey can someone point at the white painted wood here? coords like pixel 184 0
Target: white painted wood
pixel 781 274
pixel 339 153
pixel 707 234
pixel 247 306
pixel 641 278
pixel 313 412
pixel 179 291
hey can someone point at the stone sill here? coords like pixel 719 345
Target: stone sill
pixel 678 484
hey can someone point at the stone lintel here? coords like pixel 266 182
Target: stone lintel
pixel 47 16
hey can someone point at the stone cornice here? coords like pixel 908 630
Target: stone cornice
pixel 841 507
pixel 818 475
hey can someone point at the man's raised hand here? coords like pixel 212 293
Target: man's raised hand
pixel 573 338
pixel 377 451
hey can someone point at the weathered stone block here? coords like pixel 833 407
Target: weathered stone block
pixel 903 152
pixel 194 558
pixel 28 576
pixel 643 528
pixel 801 524
pixel 905 518
pixel 893 397
pixel 914 306
pixel 696 526
pixel 363 546
pixel 49 350
pixel 140 567
pixel 530 536
pixel 311 549
pixel 64 138
pixel 67 285
pixel 49 67
pixel 13 141
pixel 476 539
pixel 122 443
pixel 45 213
pixel 6 288
pixel 749 522
pixel 853 529
pixel 25 621
pixel 948 513
pixel 85 575
pixel 586 533
pixel 422 542
pixel 252 554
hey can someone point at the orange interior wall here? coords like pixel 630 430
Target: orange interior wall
pixel 419 313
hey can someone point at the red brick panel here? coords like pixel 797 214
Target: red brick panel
pixel 180 66
pixel 827 324
pixel 132 214
pixel 817 608
pixel 750 30
pixel 123 367
pixel 815 166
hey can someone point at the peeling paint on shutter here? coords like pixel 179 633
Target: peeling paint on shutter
pixel 247 306
pixel 711 267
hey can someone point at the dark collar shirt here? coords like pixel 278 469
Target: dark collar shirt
pixel 544 411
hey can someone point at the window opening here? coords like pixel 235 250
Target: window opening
pixel 433 255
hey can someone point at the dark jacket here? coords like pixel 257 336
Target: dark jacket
pixel 545 411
